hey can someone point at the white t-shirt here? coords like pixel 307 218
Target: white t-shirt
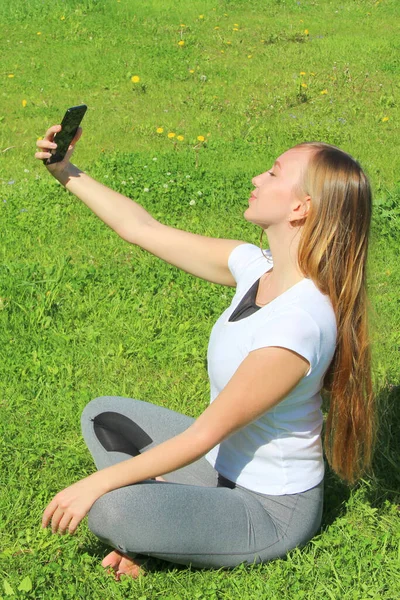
pixel 281 452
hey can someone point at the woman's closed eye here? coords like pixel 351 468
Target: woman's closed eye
pixel 271 173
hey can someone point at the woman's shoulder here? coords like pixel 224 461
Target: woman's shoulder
pixel 248 260
pixel 316 305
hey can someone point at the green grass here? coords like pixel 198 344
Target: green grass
pixel 83 314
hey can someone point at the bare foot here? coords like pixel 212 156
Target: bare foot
pixel 123 565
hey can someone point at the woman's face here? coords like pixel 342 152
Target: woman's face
pixel 274 200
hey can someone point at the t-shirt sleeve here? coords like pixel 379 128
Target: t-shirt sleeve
pixel 295 330
pixel 241 258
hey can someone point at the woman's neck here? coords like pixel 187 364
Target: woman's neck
pixel 284 250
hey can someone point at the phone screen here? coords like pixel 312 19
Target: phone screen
pixel 63 138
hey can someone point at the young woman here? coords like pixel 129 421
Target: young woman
pixel 244 481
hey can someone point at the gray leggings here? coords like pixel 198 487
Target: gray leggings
pixel 193 518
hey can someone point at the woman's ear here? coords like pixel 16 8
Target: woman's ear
pixel 300 211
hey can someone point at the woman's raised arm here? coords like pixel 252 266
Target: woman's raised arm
pixel 199 255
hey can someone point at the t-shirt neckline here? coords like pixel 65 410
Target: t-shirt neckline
pixel 269 304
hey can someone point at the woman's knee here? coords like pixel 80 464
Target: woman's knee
pixel 97 405
pixel 104 519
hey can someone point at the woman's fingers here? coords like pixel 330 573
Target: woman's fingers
pixel 63 524
pixel 55 521
pixel 46 144
pixel 77 135
pixel 42 155
pixel 50 133
pixel 74 524
pixel 48 513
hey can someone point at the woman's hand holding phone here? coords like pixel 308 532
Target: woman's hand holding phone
pixel 60 140
pixel 47 144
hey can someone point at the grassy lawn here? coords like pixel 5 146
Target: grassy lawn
pixel 83 314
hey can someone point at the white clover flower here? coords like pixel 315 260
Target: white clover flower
pixel 154 158
pixel 145 167
pixel 192 202
pixel 187 176
pixel 11 182
pixel 26 170
pixel 199 193
pixel 168 173
pixel 146 189
pixel 123 182
pixel 165 186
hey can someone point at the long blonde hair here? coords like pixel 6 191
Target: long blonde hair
pixel 333 253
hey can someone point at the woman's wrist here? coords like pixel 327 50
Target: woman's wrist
pixel 65 174
pixel 99 480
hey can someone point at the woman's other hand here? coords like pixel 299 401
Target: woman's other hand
pixel 71 505
pixel 48 143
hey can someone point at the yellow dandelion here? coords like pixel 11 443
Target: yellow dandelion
pixel 201 138
pixel 24 103
pixel 181 43
pixel 191 70
pixel 385 119
pixel 324 92
pixel 301 21
pixel 216 27
pixel 222 51
pixel 201 16
pixel 250 56
pixel 171 135
pixel 11 75
pixel 182 25
pixel 311 73
pixel 135 79
pixel 235 29
pixel 160 129
pixel 229 43
pixel 236 24
pixel 39 33
pixel 303 73
pixel 62 18
pixel 180 138
pixel 306 31
pixel 304 85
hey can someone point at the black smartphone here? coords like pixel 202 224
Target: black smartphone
pixel 63 138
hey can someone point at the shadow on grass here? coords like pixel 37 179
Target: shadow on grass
pixel 384 484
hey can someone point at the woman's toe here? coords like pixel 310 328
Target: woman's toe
pixel 112 560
